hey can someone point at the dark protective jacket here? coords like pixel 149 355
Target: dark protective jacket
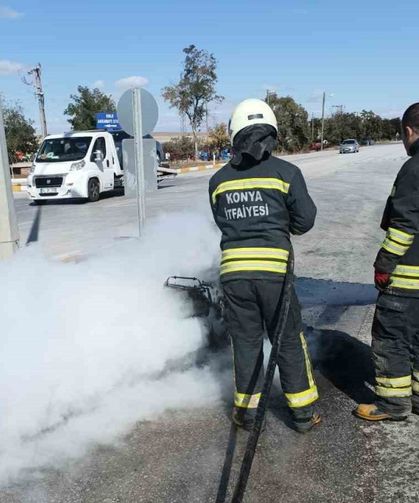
pixel 257 206
pixel 399 254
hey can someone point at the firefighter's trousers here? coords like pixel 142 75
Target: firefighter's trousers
pixel 395 347
pixel 252 306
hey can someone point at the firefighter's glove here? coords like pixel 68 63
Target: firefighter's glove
pixel 381 280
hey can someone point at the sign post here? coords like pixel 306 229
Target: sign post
pixel 9 234
pixel 139 156
pixel 138 114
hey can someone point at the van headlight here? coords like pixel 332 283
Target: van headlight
pixel 77 165
pixel 32 170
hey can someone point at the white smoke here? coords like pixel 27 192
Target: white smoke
pixel 84 345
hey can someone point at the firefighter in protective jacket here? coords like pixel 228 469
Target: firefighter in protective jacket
pixel 395 331
pixel 257 201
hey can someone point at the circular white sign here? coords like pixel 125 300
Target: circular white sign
pixel 149 111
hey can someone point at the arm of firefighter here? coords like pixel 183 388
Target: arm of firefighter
pixel 402 211
pixel 301 207
pixel 213 204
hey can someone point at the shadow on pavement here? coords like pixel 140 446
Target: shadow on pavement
pixel 344 360
pixel 34 232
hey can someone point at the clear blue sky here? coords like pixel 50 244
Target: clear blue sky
pixel 363 53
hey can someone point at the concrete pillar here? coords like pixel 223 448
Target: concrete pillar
pixel 9 234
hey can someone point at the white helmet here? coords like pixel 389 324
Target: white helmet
pixel 250 112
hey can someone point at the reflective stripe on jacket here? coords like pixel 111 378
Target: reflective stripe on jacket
pixel 256 208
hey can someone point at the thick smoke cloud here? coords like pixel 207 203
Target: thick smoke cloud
pixel 85 347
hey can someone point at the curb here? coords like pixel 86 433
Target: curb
pixel 19 185
pixel 199 168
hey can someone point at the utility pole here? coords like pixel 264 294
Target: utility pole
pixel 37 84
pixel 9 234
pixel 322 135
pixel 206 117
pixel 312 128
pixel 339 109
pixel 268 96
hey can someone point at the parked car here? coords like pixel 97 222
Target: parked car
pixel 349 147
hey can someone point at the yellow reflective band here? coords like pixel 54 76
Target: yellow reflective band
pixel 302 399
pixel 395 248
pixel 246 401
pixel 250 253
pixel 251 184
pixel 408 284
pixel 415 387
pixel 307 361
pixel 416 375
pixel 253 265
pixel 393 392
pixel 395 382
pixel 406 270
pixel 400 236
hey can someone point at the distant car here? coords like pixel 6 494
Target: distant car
pixel 349 147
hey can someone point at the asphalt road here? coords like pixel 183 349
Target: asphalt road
pixel 178 457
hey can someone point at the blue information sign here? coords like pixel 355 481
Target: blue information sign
pixel 109 121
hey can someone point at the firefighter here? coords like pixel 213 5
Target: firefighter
pixel 257 201
pixel 395 330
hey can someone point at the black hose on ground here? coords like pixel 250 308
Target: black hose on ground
pixel 252 441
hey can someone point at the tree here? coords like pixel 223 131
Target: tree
pixel 372 125
pixel 343 125
pixel 180 148
pixel 86 104
pixel 293 128
pixel 20 133
pixel 218 137
pixel 195 89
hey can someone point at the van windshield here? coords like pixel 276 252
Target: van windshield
pixel 64 149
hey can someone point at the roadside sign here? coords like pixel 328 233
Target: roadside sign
pixel 149 111
pixel 138 114
pixel 107 120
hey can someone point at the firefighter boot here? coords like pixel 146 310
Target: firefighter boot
pixel 245 418
pixel 371 412
pixel 305 425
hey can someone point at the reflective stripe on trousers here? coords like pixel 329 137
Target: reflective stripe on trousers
pixel 246 401
pixel 415 382
pixel 306 397
pixel 394 387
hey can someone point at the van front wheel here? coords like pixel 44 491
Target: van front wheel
pixel 93 190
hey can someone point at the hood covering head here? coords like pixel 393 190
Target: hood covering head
pixel 252 144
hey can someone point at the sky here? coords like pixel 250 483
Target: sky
pixel 363 54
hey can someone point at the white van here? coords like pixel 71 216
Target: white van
pixel 75 165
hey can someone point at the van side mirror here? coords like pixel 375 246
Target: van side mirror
pixel 98 155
